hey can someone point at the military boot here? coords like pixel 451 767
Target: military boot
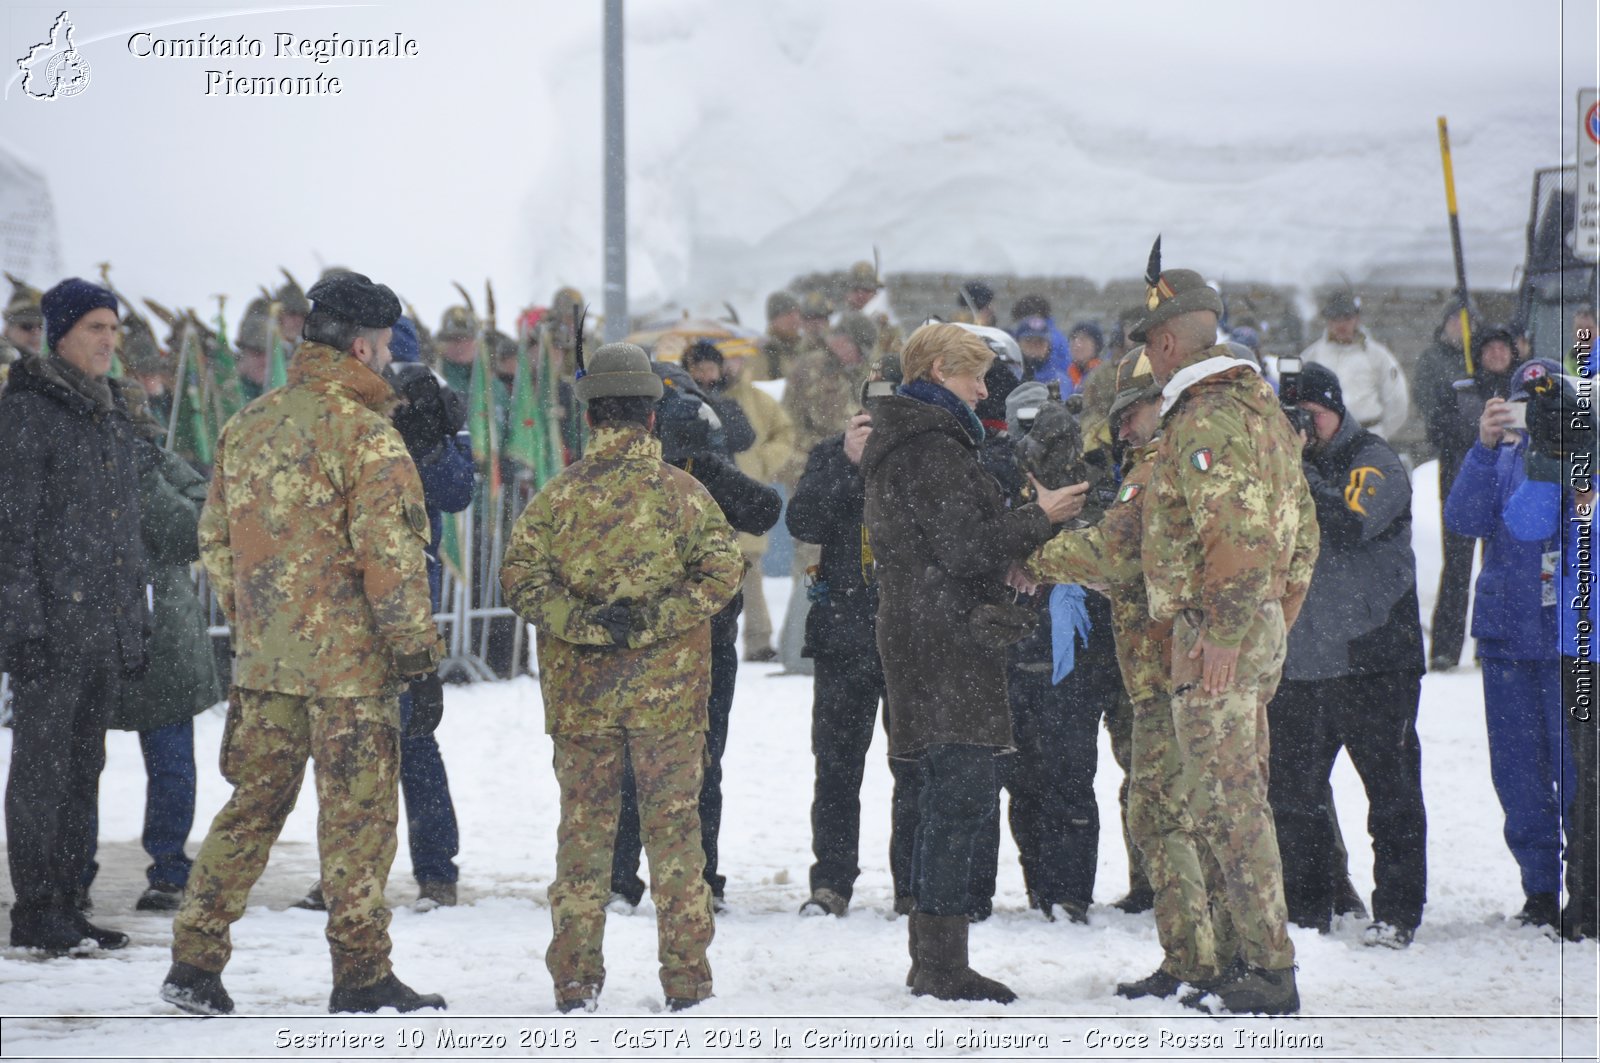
pixel 578 996
pixel 387 992
pixel 196 991
pixel 942 970
pixel 1257 991
pixel 1163 985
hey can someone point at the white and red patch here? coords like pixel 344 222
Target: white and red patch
pixel 1201 459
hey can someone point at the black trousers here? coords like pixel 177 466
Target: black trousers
pixel 1449 626
pixel 1374 719
pixel 58 747
pixel 844 706
pixel 1580 702
pixel 958 794
pixel 719 709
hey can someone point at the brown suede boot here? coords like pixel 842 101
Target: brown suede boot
pixel 941 967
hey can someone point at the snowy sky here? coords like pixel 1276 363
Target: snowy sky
pixel 1283 141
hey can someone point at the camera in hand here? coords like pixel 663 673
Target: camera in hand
pixel 1052 450
pixel 1289 395
pixel 424 417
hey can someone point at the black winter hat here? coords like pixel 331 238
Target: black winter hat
pixel 356 298
pixel 1000 382
pixel 1320 385
pixel 978 292
pixel 68 301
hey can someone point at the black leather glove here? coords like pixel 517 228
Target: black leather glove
pixel 427 705
pixel 619 619
pixel 997 626
pixel 421 418
pixel 27 658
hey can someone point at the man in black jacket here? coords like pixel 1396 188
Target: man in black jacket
pixel 689 442
pixel 1438 368
pixel 1353 677
pixel 74 617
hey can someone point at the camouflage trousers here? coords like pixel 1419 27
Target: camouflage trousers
pixel 667 769
pixel 356 746
pixel 1119 727
pixel 1222 742
pixel 1183 873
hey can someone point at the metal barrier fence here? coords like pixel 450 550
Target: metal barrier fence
pixel 484 639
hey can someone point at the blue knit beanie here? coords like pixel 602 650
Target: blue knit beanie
pixel 68 301
pixel 403 344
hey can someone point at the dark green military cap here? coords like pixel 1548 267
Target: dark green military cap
pixel 458 323
pixel 1175 292
pixel 780 303
pixel 1135 383
pixel 253 330
pixel 619 370
pixel 140 353
pixel 356 298
pixel 23 306
pixel 862 275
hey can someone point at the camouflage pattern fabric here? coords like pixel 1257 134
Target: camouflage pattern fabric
pixel 265 743
pixel 313 536
pixel 778 356
pixel 1107 554
pixel 1223 747
pixel 820 396
pixel 1182 871
pixel 622 525
pixel 1229 523
pixel 667 769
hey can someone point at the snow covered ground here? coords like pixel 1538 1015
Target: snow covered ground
pixel 1473 985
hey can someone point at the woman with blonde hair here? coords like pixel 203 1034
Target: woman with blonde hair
pixel 944 541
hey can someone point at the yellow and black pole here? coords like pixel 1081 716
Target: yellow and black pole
pixel 1455 243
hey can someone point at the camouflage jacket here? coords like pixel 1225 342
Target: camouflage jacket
pixel 621 524
pixel 1107 554
pixel 313 536
pixel 776 359
pixel 820 395
pixel 1229 522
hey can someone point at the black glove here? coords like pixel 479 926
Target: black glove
pixel 427 705
pixel 619 619
pixel 421 418
pixel 997 626
pixel 27 658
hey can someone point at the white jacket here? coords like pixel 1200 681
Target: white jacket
pixel 1374 386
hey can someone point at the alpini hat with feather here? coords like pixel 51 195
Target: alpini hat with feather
pixel 1170 293
pixel 23 306
pixel 618 370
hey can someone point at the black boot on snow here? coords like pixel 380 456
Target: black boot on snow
pixel 387 992
pixel 196 991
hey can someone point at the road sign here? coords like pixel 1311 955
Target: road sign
pixel 1586 231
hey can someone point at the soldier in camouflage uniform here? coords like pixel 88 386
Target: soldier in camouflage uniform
pixel 1230 539
pixel 784 343
pixel 24 326
pixel 313 536
pixel 816 309
pixel 620 563
pixel 1183 876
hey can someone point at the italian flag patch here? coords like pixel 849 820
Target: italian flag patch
pixel 1128 493
pixel 1201 459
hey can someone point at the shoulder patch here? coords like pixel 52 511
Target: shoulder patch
pixel 1201 459
pixel 1361 487
pixel 1128 493
pixel 417 517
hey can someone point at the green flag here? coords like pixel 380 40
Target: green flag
pixel 192 439
pixel 523 442
pixel 480 418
